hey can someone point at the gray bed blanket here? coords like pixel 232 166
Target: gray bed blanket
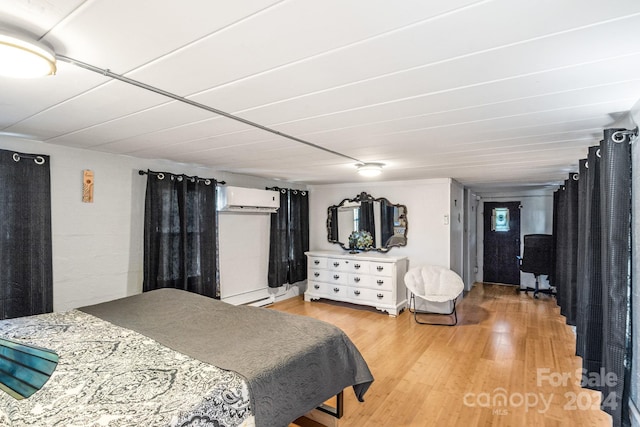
pixel 292 363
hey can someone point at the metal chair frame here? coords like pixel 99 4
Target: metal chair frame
pixel 412 303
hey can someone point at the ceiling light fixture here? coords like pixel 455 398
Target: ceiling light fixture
pixel 21 57
pixel 370 169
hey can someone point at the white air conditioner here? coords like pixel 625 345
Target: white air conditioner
pixel 240 199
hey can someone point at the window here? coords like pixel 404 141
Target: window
pixel 500 219
pixel 356 219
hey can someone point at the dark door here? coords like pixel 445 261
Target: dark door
pixel 501 242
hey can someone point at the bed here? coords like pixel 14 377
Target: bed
pixel 174 358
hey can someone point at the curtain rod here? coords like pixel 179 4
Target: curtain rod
pixel 37 158
pixel 619 136
pixel 282 189
pixel 108 73
pixel 141 172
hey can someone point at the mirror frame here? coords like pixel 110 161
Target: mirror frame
pixel 364 196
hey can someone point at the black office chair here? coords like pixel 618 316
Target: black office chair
pixel 536 259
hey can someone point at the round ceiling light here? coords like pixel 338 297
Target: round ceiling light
pixel 23 58
pixel 370 169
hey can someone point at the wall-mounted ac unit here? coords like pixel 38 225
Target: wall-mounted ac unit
pixel 240 199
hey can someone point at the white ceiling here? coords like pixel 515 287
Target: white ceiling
pixel 491 93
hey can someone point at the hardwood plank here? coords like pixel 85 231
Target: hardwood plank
pixel 505 344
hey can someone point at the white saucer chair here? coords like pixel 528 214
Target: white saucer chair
pixel 434 291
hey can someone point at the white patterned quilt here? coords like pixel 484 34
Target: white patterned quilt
pixel 114 377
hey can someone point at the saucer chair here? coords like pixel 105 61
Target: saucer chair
pixel 432 288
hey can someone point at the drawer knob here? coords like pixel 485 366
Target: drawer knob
pixel 336 290
pixel 336 276
pixel 335 264
pixel 356 279
pixel 316 286
pixel 357 292
pixel 316 274
pixel 380 296
pixel 379 268
pixel 316 262
pixel 356 266
pixel 380 282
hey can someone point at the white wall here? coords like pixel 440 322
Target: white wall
pixel 536 217
pixel 239 254
pixel 427 202
pixel 98 247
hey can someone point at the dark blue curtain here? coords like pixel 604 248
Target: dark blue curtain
pixel 615 214
pixel 181 234
pixel 332 223
pixel 26 281
pixel 589 293
pixel 298 234
pixel 598 301
pixel 386 220
pixel 289 238
pixel 367 218
pixel 564 277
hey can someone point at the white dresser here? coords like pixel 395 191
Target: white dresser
pixel 366 278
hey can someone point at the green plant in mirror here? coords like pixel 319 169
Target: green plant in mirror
pixel 360 240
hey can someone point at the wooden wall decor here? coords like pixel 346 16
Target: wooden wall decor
pixel 87 186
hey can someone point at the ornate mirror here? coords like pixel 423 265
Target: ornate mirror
pixel 367 223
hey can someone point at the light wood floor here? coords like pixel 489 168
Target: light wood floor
pixel 506 345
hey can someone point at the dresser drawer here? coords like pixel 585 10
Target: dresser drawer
pixel 360 280
pixel 318 275
pixel 337 291
pixel 318 288
pixel 317 262
pixel 382 269
pixel 337 264
pixel 361 267
pixel 370 296
pixel 382 283
pixel 337 277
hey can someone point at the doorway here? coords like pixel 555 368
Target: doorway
pixel 501 242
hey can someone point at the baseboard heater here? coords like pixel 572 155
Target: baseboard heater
pixel 263 302
pixel 256 298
